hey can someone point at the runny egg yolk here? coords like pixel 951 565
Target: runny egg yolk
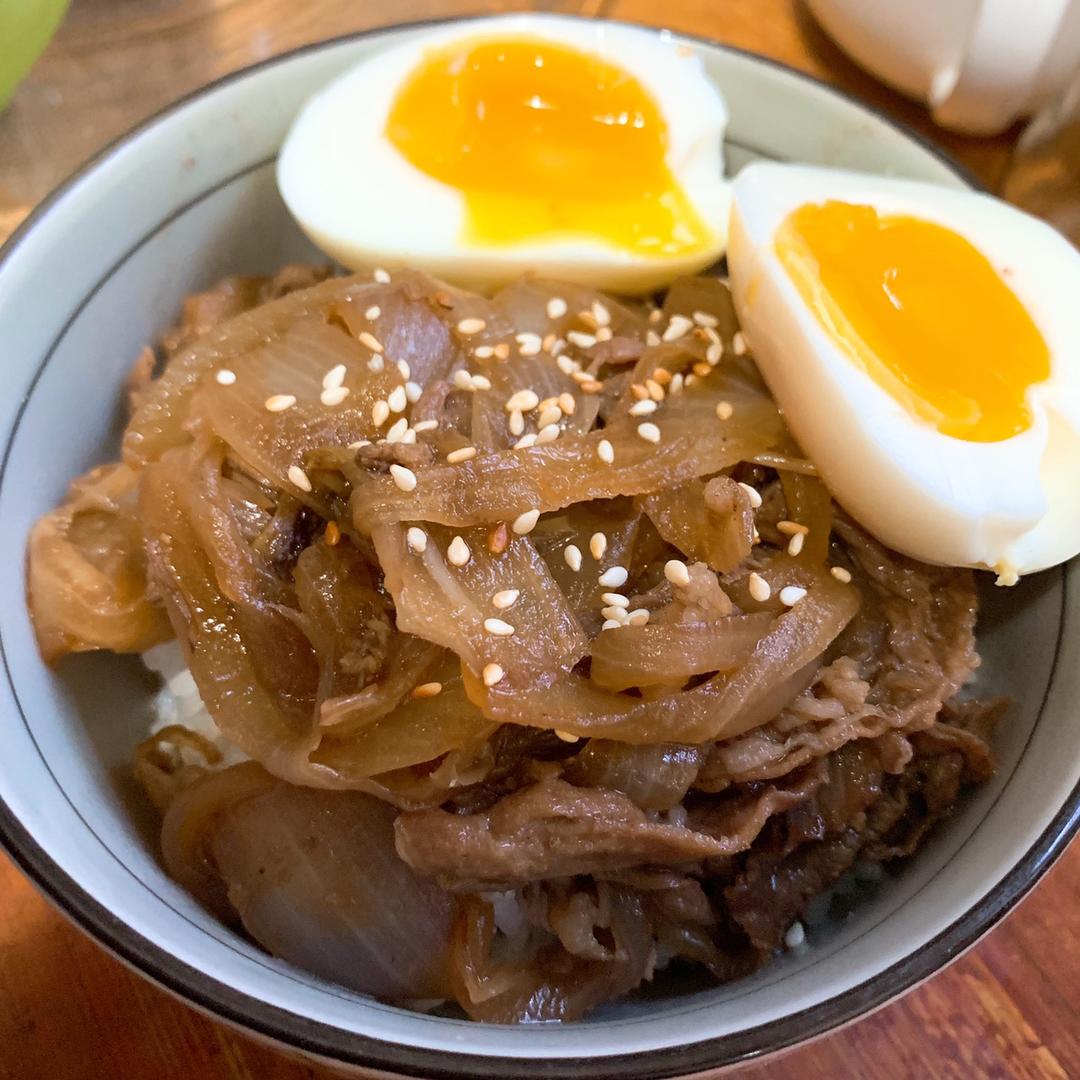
pixel 922 311
pixel 545 142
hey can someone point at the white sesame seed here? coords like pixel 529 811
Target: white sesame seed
pixel 279 402
pixel 226 377
pixel 409 438
pixel 759 588
pixel 638 618
pixel 790 595
pixel 375 365
pixel 525 522
pixel 567 365
pixel 517 423
pixel 397 399
pixel 649 432
pixel 567 403
pixel 458 552
pixel 676 386
pixel 643 408
pixel 752 494
pixel 690 380
pixel 404 370
pixel 724 410
pixel 530 344
pixel 581 339
pixel 551 415
pixel 299 478
pixel 462 379
pixel 556 307
pixel 498 627
pixel 481 382
pixel 416 538
pixel 403 477
pixel 676 571
pixel 334 377
pixel 795 935
pixel 572 557
pixel 841 574
pixel 334 396
pixel 703 318
pixel 677 327
pixel 601 314
pixel 615 599
pixel 381 276
pixel 359 443
pixel 614 578
pixel 567 736
pixel 714 354
pixel 598 545
pixel 484 352
pixel 426 690
pixel 795 544
pixel 547 434
pixel 615 611
pixel 493 673
pixel 526 441
pixel 370 341
pixel 605 451
pixel 380 413
pixel 655 315
pixel 604 333
pixel 373 312
pixel 396 432
pixel 455 457
pixel 425 425
pixel 413 392
pixel 652 338
pixel 505 598
pixel 468 327
pixel 738 343
pixel 611 624
pixel 522 401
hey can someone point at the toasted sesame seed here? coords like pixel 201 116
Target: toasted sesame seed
pixel 428 689
pixel 572 557
pixel 334 377
pixel 425 425
pixel 458 552
pixel 581 339
pixel 643 408
pixel 380 413
pixel 759 588
pixel 416 538
pixel 373 312
pixel 713 354
pixel 526 441
pixel 403 477
pixel 279 402
pixel 652 338
pixel 738 343
pixel 752 494
pixel 370 341
pixel 567 736
pixel 703 318
pixel 676 571
pixel 661 375
pixel 396 432
pixel 567 365
pixel 332 536
pixel 375 365
pixel 790 595
pixel 604 333
pixel 548 433
pixel 841 574
pixel 404 370
pixel 548 343
pixel 522 401
pixel 471 326
pixel 381 276
pixel 397 399
pixel 615 599
pixel 790 528
pixel 614 578
pixel 567 403
pixel 493 673
pixel 498 627
pixel 529 344
pixel 556 307
pixel 463 453
pixel 640 617
pixel 413 392
pixel 588 319
pixel 334 396
pixel 505 598
pixel 611 624
pixel 592 386
pixel 655 315
pixel 605 451
pixel 299 478
pixel 598 545
pixel 639 392
pixel 795 544
pixel 502 351
pixel 724 410
pixel 701 369
pixel 614 611
pixel 678 326
pixel 649 432
pixel 656 391
pixel 226 377
pixel 690 380
pixel 484 352
pixel 525 522
pixel 551 415
pixel 498 538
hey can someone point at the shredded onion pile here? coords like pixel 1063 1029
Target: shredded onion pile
pixel 553 658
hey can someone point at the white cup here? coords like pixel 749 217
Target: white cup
pixel 978 64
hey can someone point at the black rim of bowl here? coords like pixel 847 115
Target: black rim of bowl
pixel 333 1044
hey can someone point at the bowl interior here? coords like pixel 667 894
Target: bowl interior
pixel 100 272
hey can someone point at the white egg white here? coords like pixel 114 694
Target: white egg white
pixel 362 202
pixel 1013 505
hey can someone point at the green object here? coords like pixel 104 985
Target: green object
pixel 25 29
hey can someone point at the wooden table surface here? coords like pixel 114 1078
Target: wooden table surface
pixel 68 1011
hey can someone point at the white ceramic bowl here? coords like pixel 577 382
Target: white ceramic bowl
pixel 99 270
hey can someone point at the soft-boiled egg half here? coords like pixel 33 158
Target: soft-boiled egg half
pixel 924 346
pixel 579 150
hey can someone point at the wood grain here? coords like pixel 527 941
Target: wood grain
pixel 68 1011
